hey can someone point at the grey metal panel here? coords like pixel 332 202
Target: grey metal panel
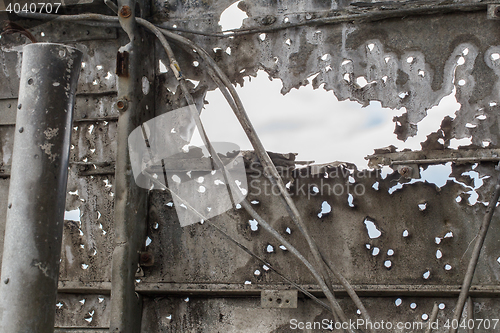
pixel 197 253
pixel 196 259
pixel 98 64
pixel 242 315
pixel 95 106
pixel 80 330
pixel 64 32
pixel 87 107
pixel 88 243
pixel 403 68
pixel 94 141
pixel 82 311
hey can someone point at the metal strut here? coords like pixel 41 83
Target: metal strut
pixel 37 192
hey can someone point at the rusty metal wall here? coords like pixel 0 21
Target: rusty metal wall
pixel 199 281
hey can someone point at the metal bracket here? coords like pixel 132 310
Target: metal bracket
pixel 122 64
pixel 279 299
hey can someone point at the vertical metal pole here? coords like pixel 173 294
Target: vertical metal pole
pixel 130 200
pixel 33 234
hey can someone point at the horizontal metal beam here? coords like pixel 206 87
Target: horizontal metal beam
pixel 85 329
pixel 434 156
pixel 84 169
pixel 230 290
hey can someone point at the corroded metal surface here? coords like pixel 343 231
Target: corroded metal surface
pixel 423 227
pixel 199 254
pixel 36 201
pixel 82 310
pixel 171 314
pixel 392 61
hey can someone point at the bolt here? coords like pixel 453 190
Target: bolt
pixel 125 11
pixel 405 171
pixel 496 12
pixel 122 105
pixel 268 20
pixel 145 257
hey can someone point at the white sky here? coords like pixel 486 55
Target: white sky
pixel 311 122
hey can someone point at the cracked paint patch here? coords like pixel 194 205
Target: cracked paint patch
pixel 51 132
pixel 47 149
pixel 41 266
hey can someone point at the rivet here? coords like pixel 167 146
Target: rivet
pixel 10 205
pixel 405 171
pixel 125 11
pixel 497 11
pixel 268 20
pixel 21 130
pixel 6 280
pixel 122 105
pixel 19 106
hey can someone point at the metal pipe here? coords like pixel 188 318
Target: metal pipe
pixel 130 200
pixel 433 318
pixel 470 314
pixel 37 194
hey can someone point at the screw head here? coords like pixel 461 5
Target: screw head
pixel 405 171
pixel 146 259
pixel 496 11
pixel 122 105
pixel 125 11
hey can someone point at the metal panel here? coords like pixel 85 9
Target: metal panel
pixel 403 68
pixel 87 108
pixel 98 64
pixel 193 314
pixel 88 241
pixel 198 253
pixel 196 260
pixel 82 311
pixel 93 143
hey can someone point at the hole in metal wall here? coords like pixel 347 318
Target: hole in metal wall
pixel 232 17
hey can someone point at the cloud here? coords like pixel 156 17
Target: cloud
pixel 313 123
